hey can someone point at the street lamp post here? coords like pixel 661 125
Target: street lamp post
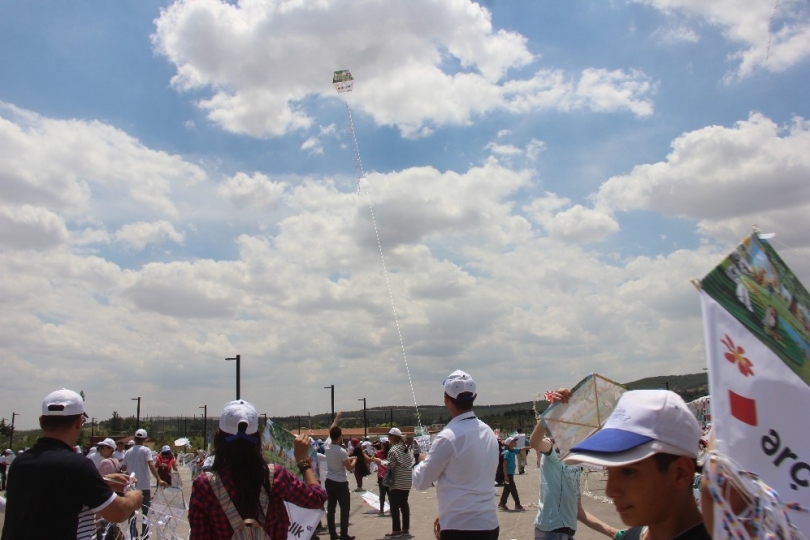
pixel 138 415
pixel 205 426
pixel 238 359
pixel 11 436
pixel 332 387
pixel 365 422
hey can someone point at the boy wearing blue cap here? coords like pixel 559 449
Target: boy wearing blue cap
pixel 649 446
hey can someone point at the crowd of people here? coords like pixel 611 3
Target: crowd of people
pixel 648 446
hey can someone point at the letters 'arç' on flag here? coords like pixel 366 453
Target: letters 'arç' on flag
pixel 756 317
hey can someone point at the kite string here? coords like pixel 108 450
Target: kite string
pixel 770 29
pixel 393 308
pixel 361 175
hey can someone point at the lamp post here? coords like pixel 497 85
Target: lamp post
pixel 205 426
pixel 238 359
pixel 11 437
pixel 332 387
pixel 365 422
pixel 138 414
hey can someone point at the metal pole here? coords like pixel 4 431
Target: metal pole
pixel 138 414
pixel 365 422
pixel 238 359
pixel 205 426
pixel 333 401
pixel 11 437
pixel 92 427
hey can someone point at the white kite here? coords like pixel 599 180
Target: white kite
pixel 592 401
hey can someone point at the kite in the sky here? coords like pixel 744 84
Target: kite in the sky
pixel 343 81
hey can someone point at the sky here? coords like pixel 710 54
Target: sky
pixel 541 183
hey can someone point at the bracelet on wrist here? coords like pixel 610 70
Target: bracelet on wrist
pixel 303 465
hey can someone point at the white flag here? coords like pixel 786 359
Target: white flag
pixel 760 408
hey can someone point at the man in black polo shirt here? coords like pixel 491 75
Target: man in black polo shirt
pixel 54 491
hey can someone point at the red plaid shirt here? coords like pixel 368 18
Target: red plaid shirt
pixel 208 520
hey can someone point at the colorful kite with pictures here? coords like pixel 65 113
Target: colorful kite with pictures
pixel 278 448
pixel 756 322
pixel 592 401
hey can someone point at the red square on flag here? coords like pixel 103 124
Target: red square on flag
pixel 743 408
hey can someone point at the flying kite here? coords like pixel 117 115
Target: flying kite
pixel 343 81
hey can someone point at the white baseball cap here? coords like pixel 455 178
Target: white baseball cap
pixel 63 402
pixel 508 441
pixel 395 431
pixel 130 443
pixel 458 383
pixel 165 449
pixel 645 422
pixel 237 412
pixel 107 442
pixel 140 434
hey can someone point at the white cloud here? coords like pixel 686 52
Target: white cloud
pixel 58 163
pixel 570 223
pixel 312 145
pixel 772 36
pixel 503 149
pixel 258 190
pixel 31 227
pixel 673 35
pixel 534 148
pixel 138 235
pixel 253 60
pixel 753 172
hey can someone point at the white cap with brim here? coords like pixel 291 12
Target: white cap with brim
pixel 644 422
pixel 620 459
pixel 63 402
pixel 460 385
pixel 107 442
pixel 238 412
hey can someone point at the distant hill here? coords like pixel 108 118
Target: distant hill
pixel 689 387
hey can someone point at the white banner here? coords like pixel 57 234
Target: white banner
pixel 303 521
pixel 760 408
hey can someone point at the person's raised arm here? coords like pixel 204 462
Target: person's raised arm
pixel 301 452
pixel 432 464
pixel 336 420
pixel 538 439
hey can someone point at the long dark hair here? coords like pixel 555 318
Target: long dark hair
pixel 243 460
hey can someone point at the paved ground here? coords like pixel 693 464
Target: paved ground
pixel 366 525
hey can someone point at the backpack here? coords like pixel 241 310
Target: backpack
pixel 243 529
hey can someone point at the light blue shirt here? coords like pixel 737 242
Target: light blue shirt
pixel 559 494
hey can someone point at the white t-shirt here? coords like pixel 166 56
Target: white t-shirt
pixel 137 460
pixel 95 457
pixel 335 456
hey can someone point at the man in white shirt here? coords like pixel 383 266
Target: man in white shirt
pixel 461 462
pixel 139 460
pixel 338 463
